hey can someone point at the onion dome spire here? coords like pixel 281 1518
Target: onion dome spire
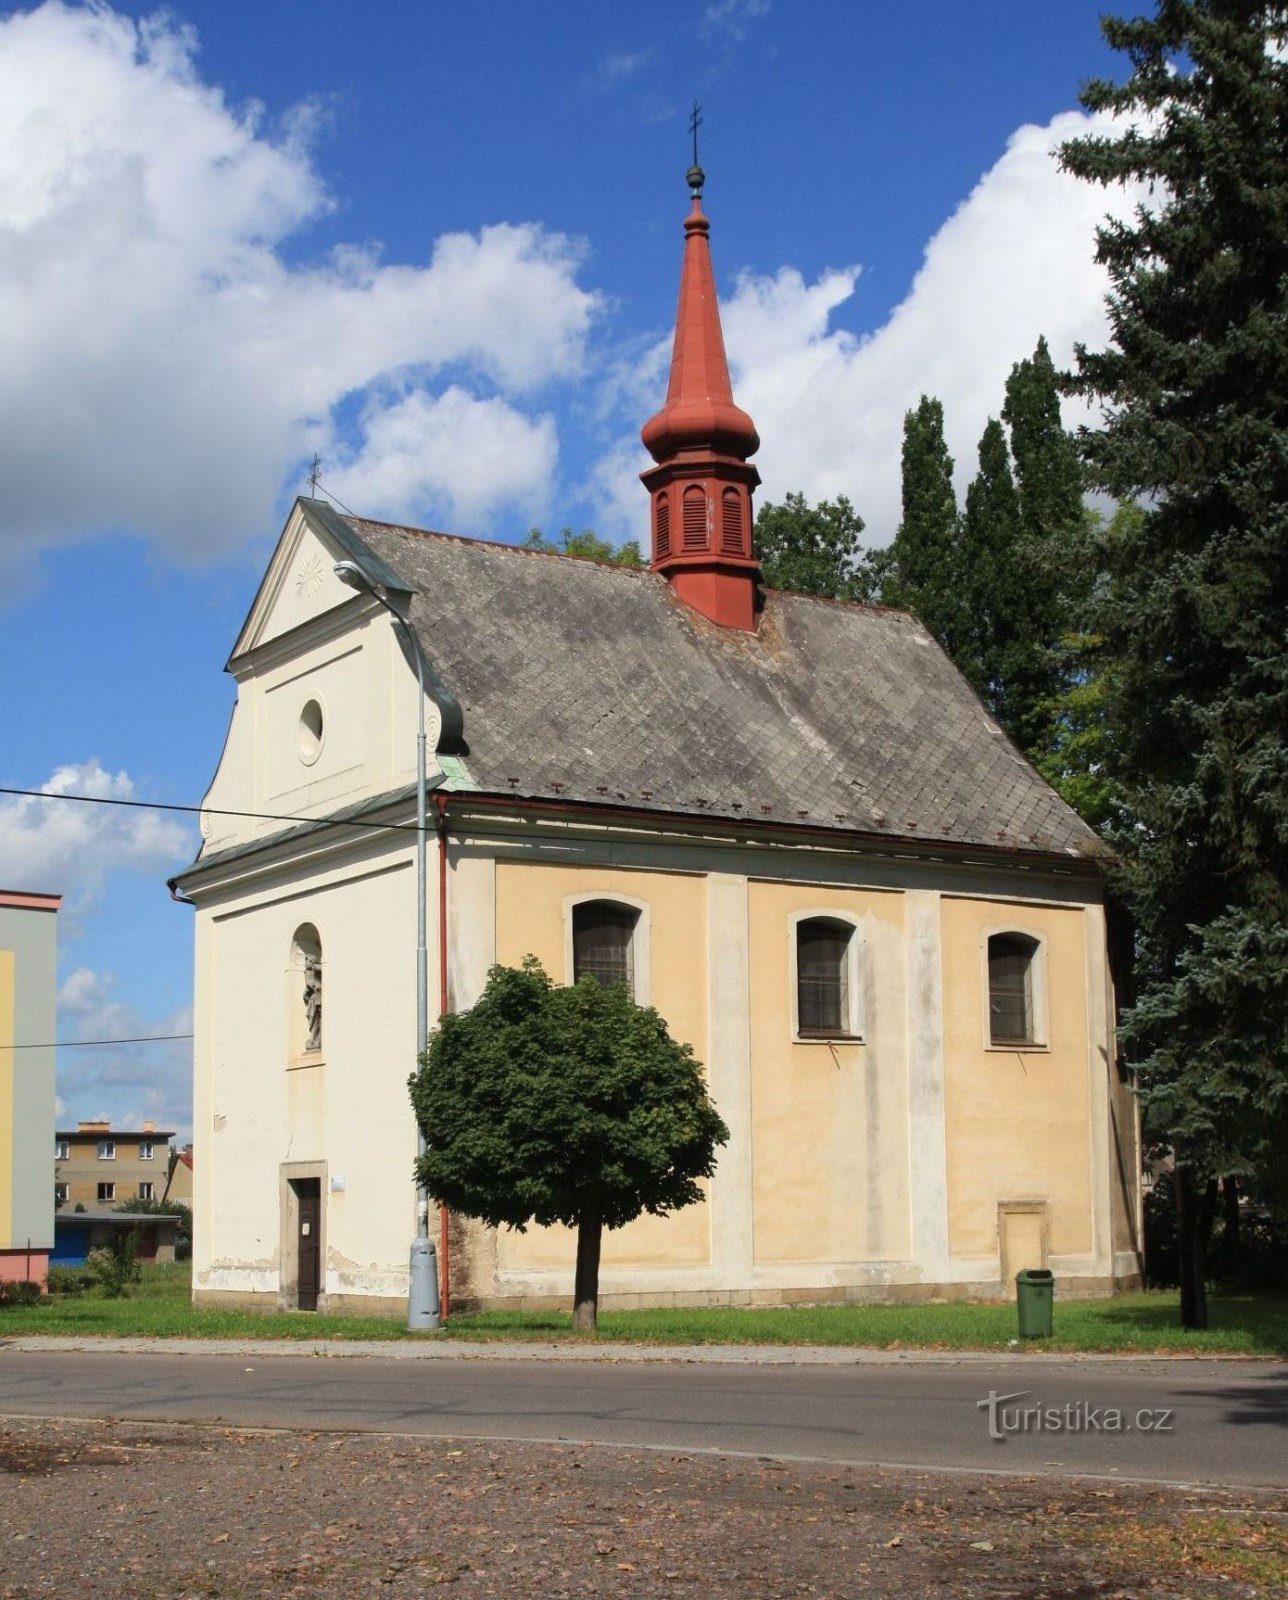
pixel 700 489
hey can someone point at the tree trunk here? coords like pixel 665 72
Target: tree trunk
pixel 585 1297
pixel 1193 1223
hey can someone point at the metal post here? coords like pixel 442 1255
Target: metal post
pixel 423 1309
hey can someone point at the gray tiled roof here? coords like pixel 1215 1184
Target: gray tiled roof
pixel 593 683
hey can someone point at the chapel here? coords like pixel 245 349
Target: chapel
pixel 786 822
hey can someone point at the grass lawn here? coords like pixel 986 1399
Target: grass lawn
pixel 160 1307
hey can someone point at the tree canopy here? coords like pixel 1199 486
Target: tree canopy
pixel 588 545
pixel 1194 609
pixel 572 1105
pixel 812 549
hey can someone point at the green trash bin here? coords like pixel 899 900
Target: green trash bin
pixel 1034 1298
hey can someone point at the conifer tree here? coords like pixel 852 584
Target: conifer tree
pixel 1195 612
pixel 996 650
pixel 925 560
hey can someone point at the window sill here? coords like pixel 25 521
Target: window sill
pixel 828 1038
pixel 1017 1047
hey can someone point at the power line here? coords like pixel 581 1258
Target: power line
pixel 84 1044
pixel 214 811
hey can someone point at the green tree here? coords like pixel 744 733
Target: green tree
pixel 813 549
pixel 925 567
pixel 588 545
pixel 1195 607
pixel 572 1105
pixel 996 648
pixel 166 1208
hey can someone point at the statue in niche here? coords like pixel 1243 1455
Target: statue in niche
pixel 313 1002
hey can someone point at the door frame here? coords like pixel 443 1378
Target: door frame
pixel 288 1248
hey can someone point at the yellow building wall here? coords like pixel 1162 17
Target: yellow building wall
pixel 829 1121
pixel 1017 1121
pixel 6 1099
pixel 530 900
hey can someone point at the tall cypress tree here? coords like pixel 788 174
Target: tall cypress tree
pixel 1196 605
pixel 925 572
pixel 996 652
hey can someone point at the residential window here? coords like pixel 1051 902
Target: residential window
pixel 107 1149
pixel 824 979
pixel 603 934
pixel 62 1150
pixel 60 1194
pixel 145 1150
pixel 107 1191
pixel 1010 988
pixel 145 1191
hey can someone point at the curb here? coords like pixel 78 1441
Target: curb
pixel 438 1349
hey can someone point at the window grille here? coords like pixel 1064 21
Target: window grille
pixel 601 942
pixel 823 977
pixel 1010 988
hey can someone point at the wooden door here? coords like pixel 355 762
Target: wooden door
pixel 308 1192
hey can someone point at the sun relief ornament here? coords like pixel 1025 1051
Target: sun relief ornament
pixel 308 576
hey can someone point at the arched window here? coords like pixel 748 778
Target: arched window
pixel 306 991
pixel 1011 1011
pixel 603 935
pixel 825 979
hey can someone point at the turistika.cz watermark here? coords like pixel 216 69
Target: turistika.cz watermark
pixel 1007 1416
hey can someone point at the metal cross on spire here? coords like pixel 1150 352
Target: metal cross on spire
pixel 695 176
pixel 315 471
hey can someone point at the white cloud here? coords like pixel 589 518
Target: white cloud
pixel 69 848
pixel 165 363
pixel 124 1083
pixel 1013 262
pixel 732 20
pixel 453 453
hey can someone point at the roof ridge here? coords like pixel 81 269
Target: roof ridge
pixel 494 544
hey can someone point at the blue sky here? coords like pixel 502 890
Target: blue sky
pixel 440 244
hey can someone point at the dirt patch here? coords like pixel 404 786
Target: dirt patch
pixel 184 1513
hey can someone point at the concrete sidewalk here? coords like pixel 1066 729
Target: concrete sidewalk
pixel 432 1347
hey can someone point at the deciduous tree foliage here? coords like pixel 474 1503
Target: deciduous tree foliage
pixel 812 549
pixel 588 545
pixel 1195 612
pixel 574 1105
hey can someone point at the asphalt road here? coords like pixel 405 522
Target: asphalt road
pixel 1181 1422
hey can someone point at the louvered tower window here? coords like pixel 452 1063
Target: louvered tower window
pixel 695 518
pixel 731 540
pixel 663 524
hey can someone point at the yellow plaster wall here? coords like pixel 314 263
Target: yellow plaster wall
pixel 1017 1122
pixel 829 1123
pixel 530 920
pixel 6 1099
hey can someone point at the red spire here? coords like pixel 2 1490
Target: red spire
pixel 700 489
pixel 699 409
